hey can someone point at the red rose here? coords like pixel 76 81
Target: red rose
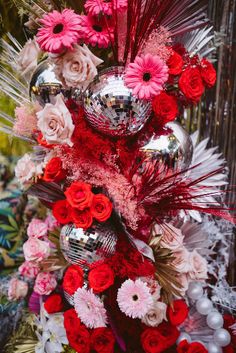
pixel 228 349
pixel 191 84
pixel 53 304
pixel 82 219
pixel 101 207
pixel 178 312
pixel 100 278
pixel 175 63
pixel 77 334
pixel 61 210
pixel 53 170
pixel 165 108
pixel 152 341
pixel 71 322
pixel 169 333
pixel 73 279
pixel 208 73
pixel 102 340
pixel 79 195
pixel 194 347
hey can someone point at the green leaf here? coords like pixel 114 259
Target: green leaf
pixel 13 222
pixel 7 227
pixel 11 236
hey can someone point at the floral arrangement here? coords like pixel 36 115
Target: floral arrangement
pixel 122 262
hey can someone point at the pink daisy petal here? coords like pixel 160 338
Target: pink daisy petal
pixel 146 76
pixel 134 298
pixel 59 31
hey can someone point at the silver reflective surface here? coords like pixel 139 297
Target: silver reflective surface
pixel 83 247
pixel 44 85
pixel 110 106
pixel 174 149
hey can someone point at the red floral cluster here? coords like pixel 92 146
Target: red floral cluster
pixel 127 262
pixel 100 278
pixel 194 347
pixel 82 206
pixel 100 340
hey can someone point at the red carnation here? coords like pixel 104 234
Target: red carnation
pixel 53 170
pixel 82 219
pixel 178 312
pixel 62 212
pixel 194 347
pixel 77 334
pixel 101 207
pixel 165 108
pixel 79 195
pixel 152 341
pixel 53 304
pixel 100 278
pixel 175 63
pixel 102 340
pixel 191 84
pixel 73 279
pixel 208 73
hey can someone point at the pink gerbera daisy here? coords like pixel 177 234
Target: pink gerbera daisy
pixel 59 31
pixel 95 7
pixel 134 298
pixel 96 31
pixel 146 76
pixel 89 308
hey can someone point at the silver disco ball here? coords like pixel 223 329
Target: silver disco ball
pixel 174 149
pixel 110 106
pixel 83 247
pixel 44 85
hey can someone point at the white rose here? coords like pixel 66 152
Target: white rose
pixel 55 123
pixel 28 57
pixel 77 68
pixel 155 315
pixel 198 266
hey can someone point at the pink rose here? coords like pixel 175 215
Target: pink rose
pixel 181 261
pixel 77 68
pixel 198 266
pixel 45 283
pixel 26 169
pixel 29 269
pixel 36 250
pixel 172 238
pixel 183 280
pixel 37 228
pixel 17 289
pixel 28 57
pixel 55 123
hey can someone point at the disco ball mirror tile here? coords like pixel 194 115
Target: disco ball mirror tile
pixel 110 106
pixel 84 247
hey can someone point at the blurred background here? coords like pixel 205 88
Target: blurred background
pixel 214 117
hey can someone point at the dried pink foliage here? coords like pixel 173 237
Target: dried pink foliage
pixel 158 43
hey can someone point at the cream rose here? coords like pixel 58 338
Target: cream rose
pixel 55 123
pixel 181 261
pixel 26 169
pixel 172 238
pixel 155 315
pixel 198 266
pixel 28 57
pixel 77 68
pixel 17 289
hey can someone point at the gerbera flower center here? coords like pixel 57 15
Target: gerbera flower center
pixel 58 28
pixel 146 76
pixel 97 28
pixel 135 297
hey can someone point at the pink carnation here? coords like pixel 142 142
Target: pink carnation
pixel 37 228
pixel 45 283
pixel 29 269
pixel 59 31
pixel 17 289
pixel 146 76
pixel 36 250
